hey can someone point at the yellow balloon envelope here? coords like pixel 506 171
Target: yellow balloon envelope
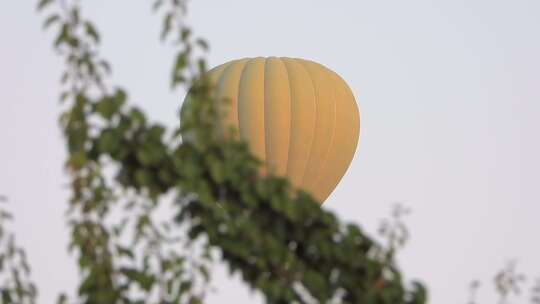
pixel 297 116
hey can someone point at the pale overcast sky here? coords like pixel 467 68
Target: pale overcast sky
pixel 449 94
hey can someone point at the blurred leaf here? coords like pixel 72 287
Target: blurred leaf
pixel 42 4
pixel 125 252
pixel 106 66
pixel 144 280
pixel 203 44
pixel 157 5
pixel 185 33
pixel 63 35
pixel 167 25
pixel 181 62
pixel 137 116
pixel 62 299
pixel 91 31
pixel 50 21
pixel 77 160
pixel 185 286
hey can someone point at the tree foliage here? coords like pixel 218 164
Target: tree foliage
pixel 279 240
pixel 15 283
pixel 123 168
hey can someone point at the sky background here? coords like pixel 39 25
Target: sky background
pixel 449 94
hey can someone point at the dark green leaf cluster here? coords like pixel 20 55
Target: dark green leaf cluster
pixel 15 284
pixel 280 240
pixel 98 127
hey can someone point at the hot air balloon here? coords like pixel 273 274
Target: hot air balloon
pixel 297 116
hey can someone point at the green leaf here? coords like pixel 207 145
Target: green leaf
pixel 108 142
pixel 64 96
pixel 63 35
pixel 155 133
pixel 88 284
pixel 75 15
pixel 137 116
pixel 124 251
pixel 166 176
pixel 314 282
pixel 144 178
pixel 420 293
pixel 204 272
pixel 185 286
pixel 106 108
pixel 110 105
pixel 42 4
pixel 201 63
pixel 144 280
pixel 73 42
pixel 62 299
pixel 202 44
pixel 178 79
pixel 91 31
pixel 217 169
pixel 50 21
pixel 157 5
pixel 167 25
pixel 106 66
pixel 6 296
pixel 77 160
pixel 181 62
pixel 179 66
pixel 185 33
